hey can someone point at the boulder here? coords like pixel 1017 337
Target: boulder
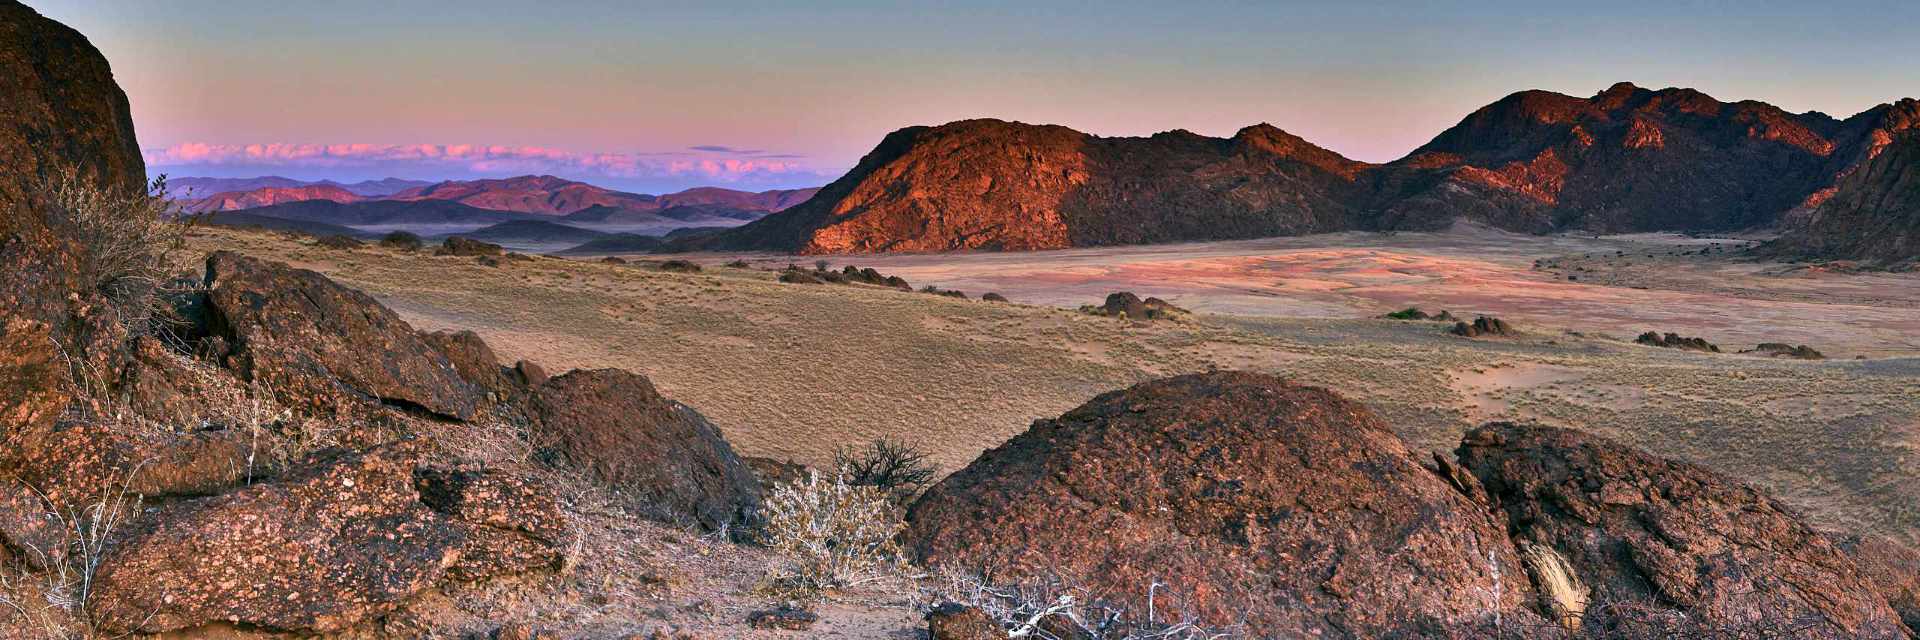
pixel 1127 305
pixel 955 621
pixel 33 381
pixel 1893 568
pixel 313 552
pixel 476 362
pixel 459 246
pixel 63 112
pixel 1625 527
pixel 1782 350
pixel 315 342
pixel 1248 500
pixel 1482 326
pixel 613 425
pixel 1676 341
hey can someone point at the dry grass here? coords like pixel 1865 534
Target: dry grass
pixel 797 371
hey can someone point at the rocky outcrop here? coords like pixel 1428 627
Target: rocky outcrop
pixel 1783 350
pixel 1127 305
pixel 1249 500
pixel 314 552
pixel 317 343
pixel 1483 326
pixel 1873 216
pixel 459 246
pixel 1626 527
pixel 63 112
pixel 613 425
pixel 511 523
pixel 1676 341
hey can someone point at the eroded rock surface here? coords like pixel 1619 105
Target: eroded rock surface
pixel 1251 500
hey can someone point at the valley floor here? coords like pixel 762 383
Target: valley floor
pixel 794 371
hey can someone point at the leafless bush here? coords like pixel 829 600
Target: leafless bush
pixel 892 466
pixel 1050 610
pixel 123 241
pixel 87 530
pixel 830 534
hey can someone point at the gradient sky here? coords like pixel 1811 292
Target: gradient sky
pixel 655 96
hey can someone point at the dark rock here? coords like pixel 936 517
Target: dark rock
pixel 796 276
pixel 402 240
pixel 993 297
pixel 459 246
pixel 1894 570
pixel 1873 213
pixel 313 552
pixel 783 617
pixel 1127 305
pixel 1483 326
pixel 1247 498
pixel 613 260
pixel 532 375
pixel 679 266
pixel 315 342
pixel 1675 341
pixel 511 523
pixel 613 425
pixel 1782 350
pixel 476 362
pixel 64 112
pixel 339 242
pixel 1633 528
pixel 955 621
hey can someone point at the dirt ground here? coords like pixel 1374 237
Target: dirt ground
pixel 796 371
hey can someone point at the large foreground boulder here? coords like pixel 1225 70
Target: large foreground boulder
pixel 309 338
pixel 1247 500
pixel 616 427
pixel 1893 568
pixel 62 112
pixel 1632 529
pixel 314 552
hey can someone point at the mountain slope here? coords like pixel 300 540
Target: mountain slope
pixel 1872 216
pixel 774 200
pixel 990 184
pixel 268 196
pixel 1624 160
pixel 545 195
pixel 387 212
pixel 534 231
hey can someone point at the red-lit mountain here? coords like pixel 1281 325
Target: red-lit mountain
pixel 1626 159
pixel 269 196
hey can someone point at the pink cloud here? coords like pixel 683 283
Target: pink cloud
pixel 471 158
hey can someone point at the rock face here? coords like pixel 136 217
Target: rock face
pixel 1894 570
pixel 1482 327
pixel 310 338
pixel 614 425
pixel 1874 214
pixel 312 553
pixel 1633 528
pixel 1250 500
pixel 1625 159
pixel 63 111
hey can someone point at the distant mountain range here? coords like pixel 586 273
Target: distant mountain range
pixel 1626 159
pixel 559 204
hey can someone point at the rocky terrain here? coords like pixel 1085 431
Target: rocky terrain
pixel 214 444
pixel 1624 160
pixel 1873 215
pixel 269 196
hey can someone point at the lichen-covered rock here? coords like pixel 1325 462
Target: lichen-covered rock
pixel 314 341
pixel 1634 528
pixel 1249 500
pixel 1893 568
pixel 63 111
pixel 513 524
pixel 312 552
pixel 616 427
pixel 33 388
pixel 78 463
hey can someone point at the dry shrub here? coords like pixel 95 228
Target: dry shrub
pixel 830 534
pixel 1052 610
pixel 123 241
pixel 895 468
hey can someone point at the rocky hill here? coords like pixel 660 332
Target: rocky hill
pixel 1873 214
pixel 269 196
pixel 1626 159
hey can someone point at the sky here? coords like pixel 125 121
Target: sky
pixel 656 96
